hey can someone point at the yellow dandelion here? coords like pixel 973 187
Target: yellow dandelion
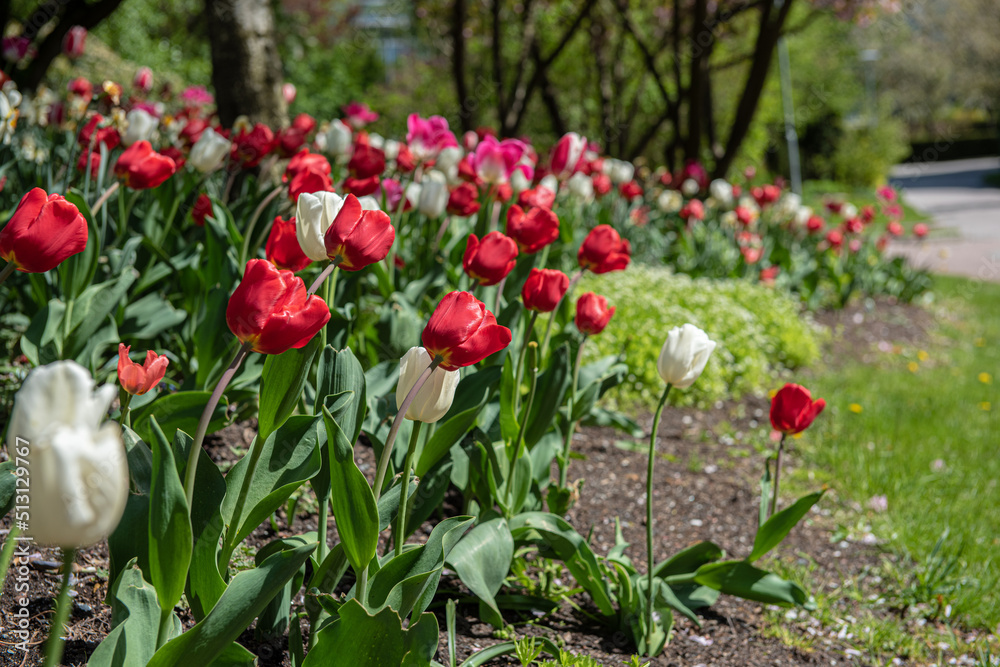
pixel 855 408
pixel 913 366
pixel 796 436
pixel 922 355
pixel 985 405
pixel 980 342
pixel 985 378
pixel 772 393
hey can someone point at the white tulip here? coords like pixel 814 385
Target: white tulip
pixel 369 203
pixel 376 140
pixel 518 181
pixel 434 398
pixel 722 191
pixel 802 215
pixel 550 182
pixel 849 211
pixel 690 187
pixel 581 186
pixel 141 124
pixel 209 151
pixel 670 201
pixel 684 355
pixel 391 149
pixel 788 205
pixel 618 171
pixel 79 472
pixel 314 213
pixel 433 194
pixel 338 138
pixel 448 158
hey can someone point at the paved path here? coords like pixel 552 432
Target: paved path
pixel 966 236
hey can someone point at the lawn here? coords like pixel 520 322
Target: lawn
pixel 919 426
pixel 815 193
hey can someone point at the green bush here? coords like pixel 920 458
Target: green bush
pixel 865 153
pixel 760 332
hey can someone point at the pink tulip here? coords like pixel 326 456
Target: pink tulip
pixel 567 154
pixel 428 137
pixel 494 161
pixel 143 79
pixel 358 114
pixel 289 92
pixel 74 40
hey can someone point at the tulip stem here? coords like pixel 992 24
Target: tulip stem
pixel 54 645
pixel 7 554
pixel 649 508
pixel 500 286
pixel 321 528
pixel 777 476
pixel 206 417
pixel 520 362
pixel 253 222
pixel 399 534
pixel 533 383
pixel 563 460
pixel 6 271
pixel 105 196
pixel 321 277
pixel 125 409
pixel 383 462
pixel 552 317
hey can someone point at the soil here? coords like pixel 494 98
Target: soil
pixel 706 488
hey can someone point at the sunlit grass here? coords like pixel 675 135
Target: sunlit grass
pixel 920 426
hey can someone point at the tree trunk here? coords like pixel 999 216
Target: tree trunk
pixel 246 70
pixel 467 105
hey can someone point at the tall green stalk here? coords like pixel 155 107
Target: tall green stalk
pixel 563 460
pixel 533 383
pixel 777 476
pixel 649 508
pixel 399 534
pixel 54 645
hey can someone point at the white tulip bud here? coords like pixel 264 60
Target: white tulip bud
pixel 433 194
pixel 690 187
pixel 140 126
pixel 435 397
pixel 684 355
pixel 338 138
pixel 581 186
pixel 79 473
pixel 209 151
pixel 722 191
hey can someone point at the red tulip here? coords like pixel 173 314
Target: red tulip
pixel 768 275
pixel 94 159
pixel 694 210
pixel 357 238
pixel 174 154
pixel 74 41
pixel 271 311
pixel 104 135
pixel 567 154
pixel 464 200
pixel 142 168
pixel 307 172
pixel 835 238
pixel 283 249
pixel 360 187
pixel 193 129
pixel 920 230
pixel 81 87
pixel 592 314
pixel 533 230
pixel 894 228
pixel 603 251
pixel 201 210
pixel 137 379
pixel 544 289
pixel 44 230
pixel 405 161
pixel 249 148
pixel 602 184
pixel 815 224
pixel 793 410
pixel 367 161
pixel 463 332
pixel 538 196
pixel 630 190
pixel 490 260
pixel 304 123
pixel 143 80
pixel 289 141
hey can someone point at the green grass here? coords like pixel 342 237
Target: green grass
pixel 814 193
pixel 928 438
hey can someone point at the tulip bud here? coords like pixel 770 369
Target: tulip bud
pixel 288 92
pixel 74 41
pixel 209 151
pixel 357 237
pixel 435 397
pixel 141 124
pixel 271 311
pixel 433 194
pixel 463 332
pixel 138 379
pixel 490 260
pixel 793 410
pixel 604 251
pixel 143 80
pixel 79 472
pixel 464 200
pixel 567 153
pixel 338 138
pixel 44 230
pixel 544 289
pixel 684 355
pixel 581 186
pixel 592 314
pixel 314 213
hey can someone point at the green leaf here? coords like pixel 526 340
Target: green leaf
pixel 352 499
pixel 405 580
pixel 248 593
pixel 77 271
pixel 289 457
pixel 777 527
pixel 557 539
pixel 482 560
pixel 549 395
pixel 281 385
pixel 8 484
pixel 508 420
pixel 91 309
pixel 361 639
pixel 446 435
pixel 740 578
pixel 340 372
pixel 135 622
pixel 205 583
pixel 170 536
pixel 148 317
pixel 180 410
pixel 688 560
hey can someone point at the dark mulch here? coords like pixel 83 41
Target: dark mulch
pixel 706 489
